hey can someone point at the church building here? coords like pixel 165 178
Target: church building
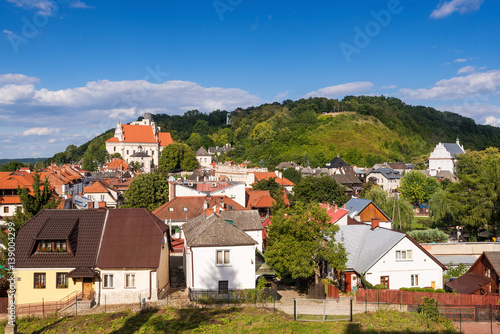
pixel 139 141
pixel 444 157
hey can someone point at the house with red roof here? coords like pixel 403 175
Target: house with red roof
pixel 278 177
pixel 188 188
pixel 140 136
pixel 101 191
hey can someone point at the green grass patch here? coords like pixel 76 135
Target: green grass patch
pixel 226 320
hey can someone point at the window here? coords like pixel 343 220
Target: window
pixel 127 152
pixel 185 209
pixel 62 280
pixel 223 287
pixel 108 281
pixel 414 280
pixel 403 255
pixel 130 280
pixel 384 280
pixel 39 281
pixel 60 246
pixel 171 209
pixel 223 257
pixel 102 198
pixel 114 149
pixel 45 246
pixel 5 209
pixel 487 272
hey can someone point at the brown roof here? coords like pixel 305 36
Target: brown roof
pixel 494 259
pixel 84 238
pixel 347 179
pixel 194 205
pixel 397 165
pixel 132 239
pixel 82 272
pixel 245 220
pixel 468 283
pixel 214 231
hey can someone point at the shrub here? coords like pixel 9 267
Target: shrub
pixel 380 287
pixel 427 236
pixel 429 308
pixel 429 290
pixel 440 291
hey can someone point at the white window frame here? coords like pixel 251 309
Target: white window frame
pixel 126 282
pixel 105 279
pixel 414 280
pixel 404 255
pixel 223 261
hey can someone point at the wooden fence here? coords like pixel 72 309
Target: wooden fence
pixel 415 298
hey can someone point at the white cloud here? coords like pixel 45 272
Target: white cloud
pixel 460 60
pixel 43 7
pixel 13 78
pixel 16 93
pixel 341 90
pixel 447 8
pixel 490 120
pixel 457 88
pixel 80 4
pixel 53 140
pixel 466 69
pixel 41 131
pixel 389 87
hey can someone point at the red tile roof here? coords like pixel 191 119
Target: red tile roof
pixel 96 187
pixel 142 134
pixel 267 175
pixel 259 199
pixel 116 164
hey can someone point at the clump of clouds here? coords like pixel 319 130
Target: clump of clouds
pixel 338 91
pixel 41 131
pixel 447 8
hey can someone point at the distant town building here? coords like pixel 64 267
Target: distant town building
pixel 139 136
pixel 444 157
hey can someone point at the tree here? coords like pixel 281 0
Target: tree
pixel 300 239
pixel 293 175
pixel 395 208
pixel 475 199
pixel 417 187
pixel 42 198
pixel 440 211
pixel 11 166
pixel 178 156
pixel 147 191
pixel 270 184
pixel 116 155
pixel 319 190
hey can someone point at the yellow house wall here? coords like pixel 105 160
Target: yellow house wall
pixel 26 293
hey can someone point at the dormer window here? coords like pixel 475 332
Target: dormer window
pixel 45 246
pixel 53 246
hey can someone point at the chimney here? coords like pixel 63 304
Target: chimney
pixel 335 208
pixel 375 223
pixel 102 205
pixel 344 207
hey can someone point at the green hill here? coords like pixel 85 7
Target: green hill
pixel 374 129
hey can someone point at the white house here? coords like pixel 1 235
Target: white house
pixel 387 257
pixel 217 255
pixel 100 191
pixel 387 178
pixel 204 158
pixel 138 136
pixel 444 157
pixel 233 190
pixel 248 221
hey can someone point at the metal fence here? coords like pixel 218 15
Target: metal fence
pixel 321 310
pixel 264 296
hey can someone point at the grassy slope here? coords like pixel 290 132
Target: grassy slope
pixel 226 320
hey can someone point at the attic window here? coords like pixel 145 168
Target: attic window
pixel 185 209
pixel 52 246
pixel 171 209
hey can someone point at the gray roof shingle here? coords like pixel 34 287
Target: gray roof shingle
pixel 454 149
pixel 245 220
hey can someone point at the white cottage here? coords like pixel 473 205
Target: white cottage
pixel 444 157
pixel 387 257
pixel 217 255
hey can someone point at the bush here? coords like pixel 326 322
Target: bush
pixel 379 287
pixel 429 290
pixel 440 291
pixel 429 308
pixel 427 236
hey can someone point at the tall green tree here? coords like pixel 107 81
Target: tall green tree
pixel 270 184
pixel 178 156
pixel 417 187
pixel 440 211
pixel 11 166
pixel 293 175
pixel 319 190
pixel 475 199
pixel 300 239
pixel 147 191
pixel 398 209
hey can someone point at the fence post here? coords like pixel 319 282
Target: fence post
pixel 227 298
pixel 350 313
pixel 43 307
pixel 295 309
pixel 460 320
pixel 274 301
pixel 378 299
pixel 324 310
pixel 76 306
pixel 491 318
pixel 366 301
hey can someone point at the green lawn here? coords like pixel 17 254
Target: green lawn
pixel 226 320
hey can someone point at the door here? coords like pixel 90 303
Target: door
pixel 87 287
pixel 348 283
pixel 433 284
pixel 384 280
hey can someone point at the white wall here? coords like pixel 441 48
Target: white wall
pixel 240 273
pixel 236 192
pixel 257 236
pixel 119 294
pixel 400 272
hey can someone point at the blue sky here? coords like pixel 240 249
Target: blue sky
pixel 70 69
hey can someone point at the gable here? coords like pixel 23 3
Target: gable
pixel 371 211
